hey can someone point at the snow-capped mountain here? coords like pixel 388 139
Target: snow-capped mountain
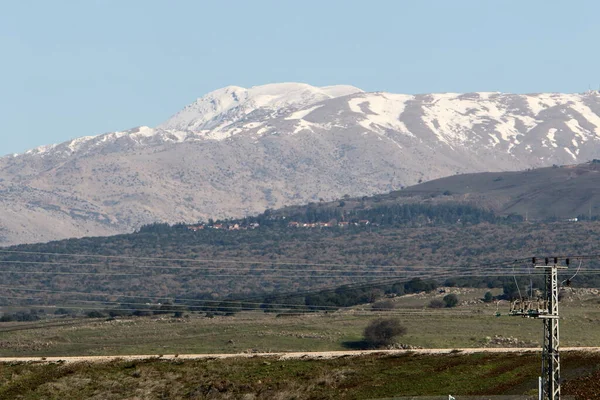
pixel 215 112
pixel 238 151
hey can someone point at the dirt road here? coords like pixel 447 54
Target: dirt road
pixel 285 356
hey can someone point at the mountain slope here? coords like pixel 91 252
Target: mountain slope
pixel 238 151
pixel 563 192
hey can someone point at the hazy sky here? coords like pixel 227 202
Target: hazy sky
pixel 77 68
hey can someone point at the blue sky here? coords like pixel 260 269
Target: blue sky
pixel 77 68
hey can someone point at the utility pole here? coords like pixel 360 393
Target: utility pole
pixel 546 309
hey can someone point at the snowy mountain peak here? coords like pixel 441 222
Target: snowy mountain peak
pixel 237 151
pixel 222 107
pixel 480 121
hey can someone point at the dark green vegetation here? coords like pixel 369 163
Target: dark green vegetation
pixel 450 300
pixel 314 257
pixel 227 271
pixel 365 377
pixel 219 266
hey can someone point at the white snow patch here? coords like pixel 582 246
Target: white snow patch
pixel 355 104
pixel 340 90
pixel 574 126
pixel 385 110
pixel 302 113
pixel 142 131
pixel 551 137
pixel 588 114
pixel 456 117
pixel 75 144
pixel 263 130
pixel 529 122
pixel 495 139
pixel 41 149
pixel 539 102
pixel 303 125
pixel 570 153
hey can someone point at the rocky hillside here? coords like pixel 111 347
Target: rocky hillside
pixel 238 151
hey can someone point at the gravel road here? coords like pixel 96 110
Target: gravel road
pixel 285 356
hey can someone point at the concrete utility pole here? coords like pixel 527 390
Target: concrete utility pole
pixel 546 309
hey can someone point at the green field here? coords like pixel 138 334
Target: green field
pixel 471 324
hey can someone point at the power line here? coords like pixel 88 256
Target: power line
pixel 245 301
pixel 287 310
pixel 222 305
pixel 67 273
pixel 197 260
pixel 217 261
pixel 368 269
pixel 244 270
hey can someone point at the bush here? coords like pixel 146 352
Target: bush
pixel 488 297
pixel 381 332
pixel 20 316
pixel 6 318
pixel 451 300
pixel 141 313
pixel 95 314
pixel 383 305
pixel 437 303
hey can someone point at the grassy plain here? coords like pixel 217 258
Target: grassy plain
pixel 471 324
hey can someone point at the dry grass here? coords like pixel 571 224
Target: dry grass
pixel 373 376
pixel 469 325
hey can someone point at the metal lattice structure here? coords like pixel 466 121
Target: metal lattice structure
pixel 546 309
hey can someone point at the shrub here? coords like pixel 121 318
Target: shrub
pixel 381 332
pixel 384 305
pixel 437 303
pixel 20 316
pixel 141 313
pixel 451 300
pixel 95 314
pixel 6 318
pixel 488 297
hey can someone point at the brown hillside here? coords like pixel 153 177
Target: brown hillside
pixel 561 191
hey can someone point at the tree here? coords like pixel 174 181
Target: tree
pixel 488 297
pixel 451 300
pixel 510 290
pixel 381 332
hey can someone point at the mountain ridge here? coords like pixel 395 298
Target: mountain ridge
pixel 283 144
